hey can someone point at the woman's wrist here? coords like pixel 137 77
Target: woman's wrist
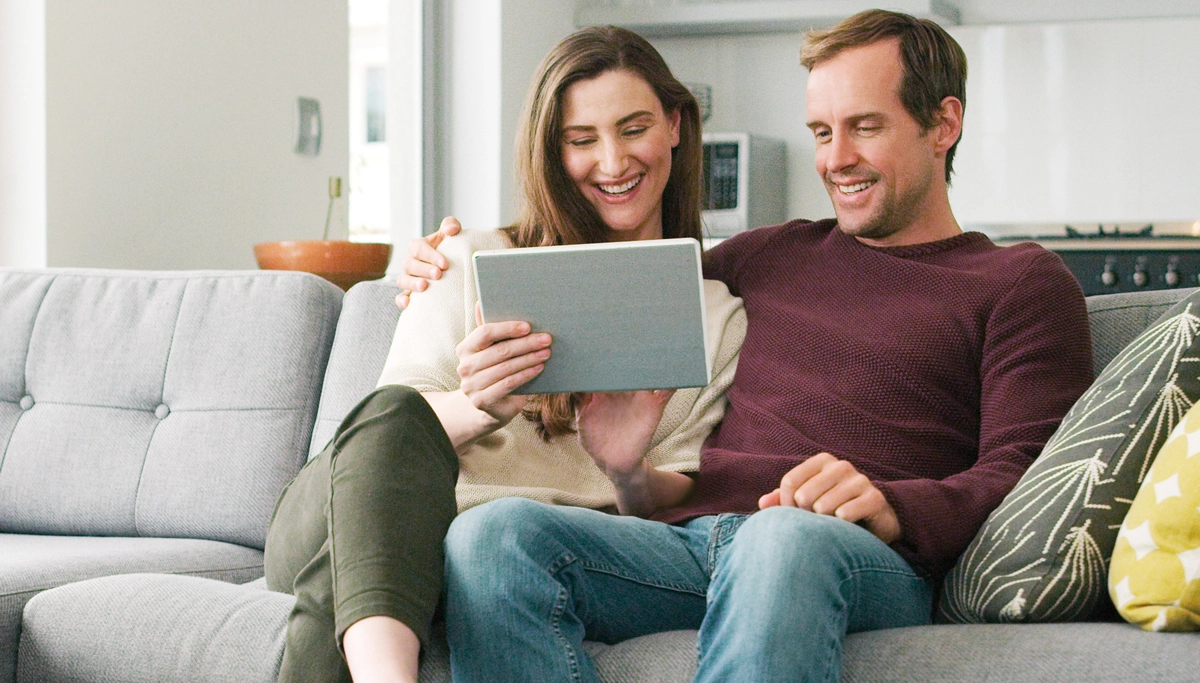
pixel 464 423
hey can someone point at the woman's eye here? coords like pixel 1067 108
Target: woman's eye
pixel 580 142
pixel 634 132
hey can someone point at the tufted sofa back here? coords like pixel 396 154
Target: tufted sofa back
pixel 166 404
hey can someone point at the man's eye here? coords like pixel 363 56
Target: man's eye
pixel 821 135
pixel 868 129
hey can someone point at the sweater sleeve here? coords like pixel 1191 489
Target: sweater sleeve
pixel 422 353
pixel 1037 360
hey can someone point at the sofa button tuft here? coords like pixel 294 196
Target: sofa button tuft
pixel 26 402
pixel 162 412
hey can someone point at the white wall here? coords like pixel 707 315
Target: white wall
pixel 491 50
pixel 529 28
pixel 22 133
pixel 1076 121
pixel 757 87
pixel 170 128
pixel 1090 122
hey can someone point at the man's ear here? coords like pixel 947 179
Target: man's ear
pixel 948 129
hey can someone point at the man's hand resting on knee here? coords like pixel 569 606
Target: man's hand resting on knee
pixel 828 486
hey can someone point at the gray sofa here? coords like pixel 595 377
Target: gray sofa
pixel 150 420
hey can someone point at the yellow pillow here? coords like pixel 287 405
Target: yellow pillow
pixel 1154 578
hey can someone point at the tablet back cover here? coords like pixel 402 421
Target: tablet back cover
pixel 624 316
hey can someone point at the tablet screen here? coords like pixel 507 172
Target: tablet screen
pixel 624 316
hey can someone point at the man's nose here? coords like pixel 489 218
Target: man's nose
pixel 841 153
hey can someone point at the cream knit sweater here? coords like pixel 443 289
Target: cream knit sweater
pixel 514 460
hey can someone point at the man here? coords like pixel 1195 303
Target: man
pixel 897 378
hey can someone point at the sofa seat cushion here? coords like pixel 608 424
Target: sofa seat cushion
pixel 30 564
pixel 143 628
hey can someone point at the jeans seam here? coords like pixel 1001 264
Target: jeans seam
pixel 567 558
pixel 556 612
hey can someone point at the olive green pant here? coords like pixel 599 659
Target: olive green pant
pixel 359 531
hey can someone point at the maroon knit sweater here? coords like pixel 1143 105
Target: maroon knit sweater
pixel 939 370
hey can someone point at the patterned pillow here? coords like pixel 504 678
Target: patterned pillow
pixel 1042 555
pixel 1155 574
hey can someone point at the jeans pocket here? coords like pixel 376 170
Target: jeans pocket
pixel 724 528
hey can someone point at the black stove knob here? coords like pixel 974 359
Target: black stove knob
pixel 1140 279
pixel 1109 277
pixel 1171 277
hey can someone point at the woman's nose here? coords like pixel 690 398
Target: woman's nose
pixel 613 159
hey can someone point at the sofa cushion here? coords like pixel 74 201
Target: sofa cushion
pixel 156 404
pixel 1043 554
pixel 30 564
pixel 1154 578
pixel 156 628
pixel 364 336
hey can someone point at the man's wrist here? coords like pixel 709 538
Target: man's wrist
pixel 630 479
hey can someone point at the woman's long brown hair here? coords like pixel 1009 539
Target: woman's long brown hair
pixel 552 210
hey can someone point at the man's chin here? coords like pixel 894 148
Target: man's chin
pixel 868 229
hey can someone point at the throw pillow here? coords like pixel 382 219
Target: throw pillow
pixel 1043 553
pixel 1154 579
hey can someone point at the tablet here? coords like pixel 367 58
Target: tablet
pixel 624 316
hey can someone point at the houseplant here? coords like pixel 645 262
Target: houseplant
pixel 342 262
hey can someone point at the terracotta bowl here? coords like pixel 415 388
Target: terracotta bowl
pixel 343 263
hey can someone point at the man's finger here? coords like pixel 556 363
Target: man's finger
pixel 769 500
pixel 449 227
pixel 409 283
pixel 838 493
pixel 798 476
pixel 424 259
pixel 824 483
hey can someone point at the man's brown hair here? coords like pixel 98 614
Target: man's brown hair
pixel 552 210
pixel 935 66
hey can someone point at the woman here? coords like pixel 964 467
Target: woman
pixel 609 150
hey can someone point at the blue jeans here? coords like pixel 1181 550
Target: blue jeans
pixel 773 594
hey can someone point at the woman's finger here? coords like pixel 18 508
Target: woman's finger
pixel 477 378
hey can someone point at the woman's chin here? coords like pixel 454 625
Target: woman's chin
pixel 632 233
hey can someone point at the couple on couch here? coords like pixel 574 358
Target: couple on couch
pixel 897 377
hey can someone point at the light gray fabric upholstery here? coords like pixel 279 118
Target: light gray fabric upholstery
pixel 1116 319
pixel 156 404
pixel 134 628
pixel 30 564
pixel 364 336
pixel 1020 653
pixel 127 629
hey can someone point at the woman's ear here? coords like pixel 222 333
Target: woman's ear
pixel 673 119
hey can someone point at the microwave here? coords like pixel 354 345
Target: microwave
pixel 745 183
